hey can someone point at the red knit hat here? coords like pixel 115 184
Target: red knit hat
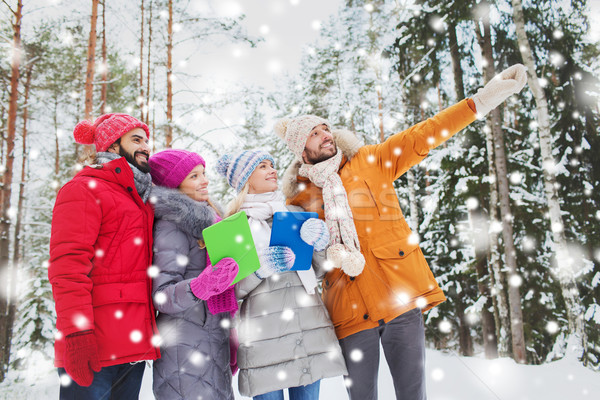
pixel 106 130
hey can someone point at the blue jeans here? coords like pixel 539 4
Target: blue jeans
pixel 308 392
pixel 116 382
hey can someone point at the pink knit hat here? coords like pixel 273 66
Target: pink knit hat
pixel 170 167
pixel 106 130
pixel 295 131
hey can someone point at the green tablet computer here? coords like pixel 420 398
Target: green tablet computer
pixel 231 237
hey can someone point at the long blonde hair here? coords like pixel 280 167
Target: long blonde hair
pixel 235 204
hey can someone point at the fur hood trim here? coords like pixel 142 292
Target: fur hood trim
pixel 345 140
pixel 187 214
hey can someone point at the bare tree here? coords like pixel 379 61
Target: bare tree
pixel 169 133
pixel 510 252
pixel 564 268
pixel 5 193
pixel 141 100
pixel 91 57
pixel 104 86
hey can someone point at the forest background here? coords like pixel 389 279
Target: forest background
pixel 506 212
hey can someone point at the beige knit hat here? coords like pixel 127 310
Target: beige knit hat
pixel 295 131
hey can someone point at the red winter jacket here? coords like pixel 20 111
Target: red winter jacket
pixel 100 251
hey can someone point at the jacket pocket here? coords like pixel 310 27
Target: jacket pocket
pixel 337 297
pixel 399 249
pixel 406 270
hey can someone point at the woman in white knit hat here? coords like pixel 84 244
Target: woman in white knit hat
pixel 287 340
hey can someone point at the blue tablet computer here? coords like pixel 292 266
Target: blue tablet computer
pixel 286 232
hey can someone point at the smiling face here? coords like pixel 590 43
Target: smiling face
pixel 195 184
pixel 319 145
pixel 263 179
pixel 133 146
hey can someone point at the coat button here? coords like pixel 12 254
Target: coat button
pixel 366 316
pixel 305 370
pixel 129 188
pixel 298 341
pixel 352 278
pixel 118 170
pixel 401 253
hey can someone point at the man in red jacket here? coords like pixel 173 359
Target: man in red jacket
pixel 100 251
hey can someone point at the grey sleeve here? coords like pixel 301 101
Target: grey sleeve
pixel 171 293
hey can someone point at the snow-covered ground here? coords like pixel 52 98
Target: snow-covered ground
pixel 449 377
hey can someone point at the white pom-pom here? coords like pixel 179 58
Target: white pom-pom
pixel 353 264
pixel 280 127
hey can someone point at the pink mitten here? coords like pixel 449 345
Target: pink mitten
pixel 214 280
pixel 223 302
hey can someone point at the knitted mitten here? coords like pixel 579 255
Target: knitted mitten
pixel 223 302
pixel 315 232
pixel 351 262
pixel 81 357
pixel 509 82
pixel 214 280
pixel 274 259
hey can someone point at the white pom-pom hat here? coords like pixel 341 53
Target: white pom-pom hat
pixel 295 131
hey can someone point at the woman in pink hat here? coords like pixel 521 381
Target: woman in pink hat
pixel 194 299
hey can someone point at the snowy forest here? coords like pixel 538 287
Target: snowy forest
pixel 507 212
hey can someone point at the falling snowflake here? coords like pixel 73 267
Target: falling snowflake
pixel 160 298
pixel 153 271
pixel 92 184
pixel 58 335
pixel 45 264
pixel 287 314
pixel 135 336
pixel 137 241
pixel 552 327
pixel 356 355
pixel 181 260
pixel 197 358
pixel 81 322
pixel 118 314
pixel 472 203
pixel 421 302
pixel 156 341
pixel 99 253
pixel 348 382
pixel 65 380
pixel 515 280
pixel 403 298
pixel 437 374
pixel 225 323
pixel 445 326
pixel 281 375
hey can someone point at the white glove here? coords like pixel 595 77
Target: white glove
pixel 507 83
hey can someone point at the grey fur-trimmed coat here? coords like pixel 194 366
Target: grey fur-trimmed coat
pixel 286 336
pixel 194 359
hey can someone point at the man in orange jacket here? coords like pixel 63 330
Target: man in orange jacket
pixel 379 283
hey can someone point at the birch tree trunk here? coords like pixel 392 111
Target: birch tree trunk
pixel 5 194
pixel 141 102
pixel 563 263
pixel 489 322
pixel 510 252
pixel 104 86
pixel 148 65
pixel 12 308
pixel 91 56
pixel 169 133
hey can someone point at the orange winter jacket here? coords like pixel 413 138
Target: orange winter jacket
pixel 396 277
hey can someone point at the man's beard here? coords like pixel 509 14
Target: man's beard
pixel 145 168
pixel 315 158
